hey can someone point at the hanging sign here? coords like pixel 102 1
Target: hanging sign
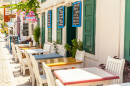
pixel 25 29
pixel 76 14
pixel 49 19
pixel 61 17
pixel 30 18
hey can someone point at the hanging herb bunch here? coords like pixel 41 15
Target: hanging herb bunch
pixel 25 6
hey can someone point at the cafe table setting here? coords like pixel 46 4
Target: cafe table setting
pixel 85 76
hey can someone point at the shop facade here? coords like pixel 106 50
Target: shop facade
pixel 101 31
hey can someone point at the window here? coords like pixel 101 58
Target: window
pixel 89 26
pixel 49 25
pixel 60 24
pixel 43 29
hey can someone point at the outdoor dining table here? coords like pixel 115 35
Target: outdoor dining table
pixel 60 63
pixel 29 47
pixel 47 56
pixel 36 51
pixel 21 44
pixel 85 76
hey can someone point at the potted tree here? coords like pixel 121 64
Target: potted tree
pixel 73 48
pixel 36 35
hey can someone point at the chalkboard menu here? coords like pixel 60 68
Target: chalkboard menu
pixel 76 14
pixel 61 17
pixel 25 29
pixel 14 39
pixel 49 19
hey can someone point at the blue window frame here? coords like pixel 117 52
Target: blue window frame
pixel 63 17
pixel 50 19
pixel 76 25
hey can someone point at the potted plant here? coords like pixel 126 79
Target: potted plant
pixel 73 48
pixel 36 34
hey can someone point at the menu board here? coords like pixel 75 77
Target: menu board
pixel 14 39
pixel 61 17
pixel 25 29
pixel 76 15
pixel 49 19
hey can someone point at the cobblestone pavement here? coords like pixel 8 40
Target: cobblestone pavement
pixel 9 71
pixel 4 75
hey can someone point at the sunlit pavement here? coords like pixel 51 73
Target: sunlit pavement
pixel 9 71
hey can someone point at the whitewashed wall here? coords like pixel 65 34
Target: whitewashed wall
pixel 109 40
pixel 29 29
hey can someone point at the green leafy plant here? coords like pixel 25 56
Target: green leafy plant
pixel 36 34
pixel 72 48
pixel 24 5
pixel 55 46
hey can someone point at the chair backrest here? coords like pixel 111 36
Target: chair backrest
pixel 29 63
pixel 34 43
pixel 12 45
pixel 19 52
pixel 62 52
pixel 47 47
pixel 49 75
pixel 115 66
pixel 35 67
pixel 79 55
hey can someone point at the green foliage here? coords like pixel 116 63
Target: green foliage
pixel 72 48
pixel 55 46
pixel 29 5
pixel 36 34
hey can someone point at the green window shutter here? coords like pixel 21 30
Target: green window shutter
pixel 49 34
pixel 59 35
pixel 50 31
pixel 38 20
pixel 58 32
pixel 89 26
pixel 43 29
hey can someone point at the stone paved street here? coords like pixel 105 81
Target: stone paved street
pixel 9 71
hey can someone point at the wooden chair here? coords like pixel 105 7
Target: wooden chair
pixel 50 78
pixel 34 43
pixel 32 77
pixel 23 62
pixel 62 52
pixel 15 54
pixel 47 47
pixel 41 79
pixel 122 84
pixel 115 66
pixel 80 56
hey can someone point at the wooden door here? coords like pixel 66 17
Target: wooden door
pixel 70 31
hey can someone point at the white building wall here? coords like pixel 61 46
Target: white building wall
pixel 109 34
